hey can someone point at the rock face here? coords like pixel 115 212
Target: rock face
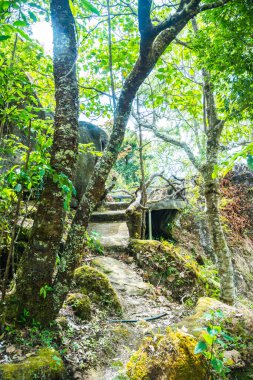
pixel 121 276
pixel 46 365
pixel 88 133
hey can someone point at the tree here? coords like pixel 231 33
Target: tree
pixel 207 162
pixel 155 37
pixel 38 264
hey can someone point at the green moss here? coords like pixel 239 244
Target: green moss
pixel 97 263
pixel 165 263
pixel 169 357
pixel 62 322
pixel 96 285
pixel 81 305
pixel 46 365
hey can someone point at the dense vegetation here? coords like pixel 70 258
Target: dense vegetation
pixel 171 83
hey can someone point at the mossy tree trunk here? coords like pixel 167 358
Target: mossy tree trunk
pixel 212 195
pixel 38 265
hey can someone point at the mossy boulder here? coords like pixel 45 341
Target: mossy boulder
pixel 46 365
pixel 171 356
pixel 163 263
pixel 81 305
pixel 89 281
pixel 237 319
pixel 168 357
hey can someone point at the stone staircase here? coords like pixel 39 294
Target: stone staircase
pixel 109 223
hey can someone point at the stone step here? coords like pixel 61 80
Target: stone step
pixel 113 236
pixel 108 216
pixel 114 206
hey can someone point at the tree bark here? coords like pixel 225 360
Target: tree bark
pixel 212 195
pixel 38 265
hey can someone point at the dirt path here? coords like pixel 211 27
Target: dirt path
pixel 139 301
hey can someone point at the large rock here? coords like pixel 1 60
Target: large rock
pixel 96 285
pixel 171 356
pixel 88 133
pixel 168 357
pixel 121 276
pixel 46 364
pixel 238 319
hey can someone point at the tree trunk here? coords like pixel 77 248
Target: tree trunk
pixel 38 265
pixel 212 195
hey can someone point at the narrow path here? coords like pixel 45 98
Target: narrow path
pixel 139 299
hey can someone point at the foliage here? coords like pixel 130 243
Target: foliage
pixel 93 243
pixel 164 264
pixel 213 343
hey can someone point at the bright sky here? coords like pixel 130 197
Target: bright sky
pixel 42 32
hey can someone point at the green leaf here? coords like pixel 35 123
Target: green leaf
pixel 33 16
pixel 208 338
pixel 227 337
pixel 219 313
pixel 87 5
pixel 20 23
pixel 217 365
pixel 18 188
pixel 3 38
pixel 200 347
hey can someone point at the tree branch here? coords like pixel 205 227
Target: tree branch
pixel 216 4
pixel 145 23
pixel 180 144
pixel 95 89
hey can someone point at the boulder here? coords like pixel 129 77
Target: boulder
pixel 88 134
pixel 46 364
pixel 166 357
pixel 94 284
pixel 81 305
pixel 171 356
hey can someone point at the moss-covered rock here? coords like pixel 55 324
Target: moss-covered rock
pixel 46 365
pixel 237 319
pixel 96 285
pixel 163 263
pixel 171 356
pixel 81 305
pixel 168 357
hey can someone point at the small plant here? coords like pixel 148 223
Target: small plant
pixel 93 243
pixel 44 290
pixel 24 316
pixel 214 341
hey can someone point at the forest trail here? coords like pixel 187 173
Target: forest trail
pixel 139 299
